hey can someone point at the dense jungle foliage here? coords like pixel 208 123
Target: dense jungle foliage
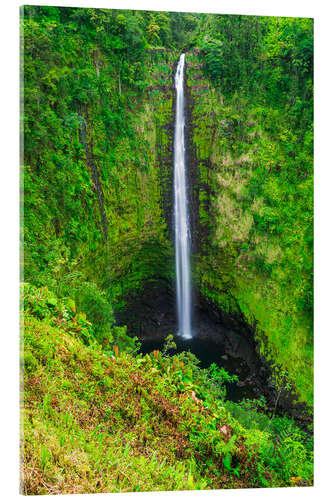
pixel 97 127
pixel 111 420
pixel 253 132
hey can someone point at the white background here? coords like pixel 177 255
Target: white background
pixel 9 210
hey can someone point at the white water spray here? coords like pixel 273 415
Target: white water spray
pixel 182 228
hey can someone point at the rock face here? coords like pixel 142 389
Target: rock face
pixel 152 313
pixel 97 187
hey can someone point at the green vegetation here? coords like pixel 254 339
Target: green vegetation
pixel 92 135
pixel 97 181
pixel 253 139
pixel 106 420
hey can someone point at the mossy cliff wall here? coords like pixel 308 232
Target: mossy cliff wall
pixel 98 133
pixel 97 175
pixel 251 233
pixel 139 203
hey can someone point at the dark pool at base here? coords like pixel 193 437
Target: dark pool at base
pixel 209 352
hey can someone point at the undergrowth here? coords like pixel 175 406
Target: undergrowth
pixel 98 417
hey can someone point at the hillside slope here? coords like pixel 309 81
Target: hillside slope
pixel 104 420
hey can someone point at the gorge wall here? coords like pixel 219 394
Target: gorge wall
pixel 98 187
pixel 247 259
pixel 236 304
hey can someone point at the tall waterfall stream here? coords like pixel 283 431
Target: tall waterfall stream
pixel 181 219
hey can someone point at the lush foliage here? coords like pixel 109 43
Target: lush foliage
pixel 253 138
pixel 97 182
pixel 91 143
pixel 108 421
pixel 91 319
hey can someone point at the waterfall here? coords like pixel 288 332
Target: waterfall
pixel 182 227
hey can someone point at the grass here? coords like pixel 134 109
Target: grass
pixel 96 419
pixel 95 424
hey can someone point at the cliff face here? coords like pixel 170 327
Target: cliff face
pixel 251 231
pixel 97 163
pixel 98 134
pixel 138 198
pixel 97 174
